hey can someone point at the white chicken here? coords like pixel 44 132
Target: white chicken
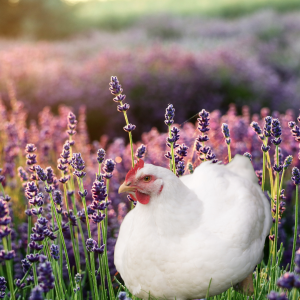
pixel 185 232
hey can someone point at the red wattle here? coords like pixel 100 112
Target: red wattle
pixel 142 198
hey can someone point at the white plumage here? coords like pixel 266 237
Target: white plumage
pixel 211 224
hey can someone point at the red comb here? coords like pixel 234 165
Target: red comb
pixel 132 172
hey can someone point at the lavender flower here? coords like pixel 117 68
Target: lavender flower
pixel 276 296
pixel 296 133
pixel 182 151
pixel 57 197
pixel 41 173
pixel 226 133
pixel 90 245
pixel 22 174
pixel 288 281
pixel 78 164
pixel 54 251
pixel 277 168
pixel 99 250
pixel 257 129
pixel 287 162
pixel 130 127
pixel 46 278
pixel 169 115
pixel 123 296
pixel 267 127
pixel 71 124
pixel 296 176
pixel 180 168
pixel 36 293
pixel 115 87
pixel 247 154
pixel 276 132
pixel 97 218
pixel 2 287
pixel 100 155
pixel 265 148
pixel 140 151
pixel 203 121
pixel 291 124
pixel 124 107
pixel 109 166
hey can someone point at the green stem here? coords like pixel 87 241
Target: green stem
pixel 110 288
pixel 83 244
pixel 229 153
pixel 63 242
pixel 264 167
pixel 277 209
pixel 296 229
pixel 80 184
pixel 28 234
pixel 101 267
pixel 47 251
pixel 76 253
pixel 270 174
pixel 172 164
pixel 130 137
pixel 9 271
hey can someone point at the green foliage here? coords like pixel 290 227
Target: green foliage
pixel 38 19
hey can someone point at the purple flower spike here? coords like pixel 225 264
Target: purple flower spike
pixel 54 250
pixel 2 287
pixel 296 176
pixel 57 197
pixel 180 168
pixel 276 128
pixel 287 162
pixel 288 281
pixel 100 155
pixel 296 133
pixel 169 115
pixel 90 245
pixel 129 127
pixel 140 151
pixel 247 154
pixel 46 278
pixel 267 127
pixel 203 121
pixel 257 129
pixel 276 296
pixel 109 166
pixel 115 87
pixel 41 173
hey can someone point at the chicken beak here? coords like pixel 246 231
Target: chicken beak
pixel 124 188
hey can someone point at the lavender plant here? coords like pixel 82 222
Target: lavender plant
pixel 63 246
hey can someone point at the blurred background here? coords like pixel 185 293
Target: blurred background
pixel 194 54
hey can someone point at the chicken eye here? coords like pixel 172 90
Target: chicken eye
pixel 147 178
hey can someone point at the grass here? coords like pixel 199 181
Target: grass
pixel 117 14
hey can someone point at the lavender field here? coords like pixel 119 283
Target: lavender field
pixel 203 63
pixel 223 86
